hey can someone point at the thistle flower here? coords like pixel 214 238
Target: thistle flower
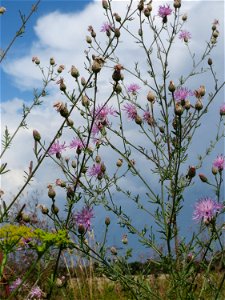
pixel 14 285
pixel 57 148
pixel 133 88
pixel 206 209
pixel 77 143
pixel 131 111
pixel 96 170
pixel 184 35
pixel 219 162
pixel 182 93
pixel 106 27
pixel 35 293
pixel 84 217
pixel 100 115
pixel 164 11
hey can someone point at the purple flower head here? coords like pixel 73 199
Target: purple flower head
pixel 101 117
pixel 133 88
pixel 84 217
pixel 35 293
pixel 131 110
pixel 106 27
pixel 222 110
pixel 219 162
pixel 77 143
pixel 206 209
pixel 96 170
pixel 164 11
pixel 182 94
pixel 184 35
pixel 57 148
pixel 14 285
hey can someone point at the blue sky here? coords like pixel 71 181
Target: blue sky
pixel 58 30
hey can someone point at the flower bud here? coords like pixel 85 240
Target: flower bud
pixel 117 32
pixel 83 81
pixel 117 17
pixel 117 88
pixel 103 167
pixel 179 109
pixel 52 61
pixel 44 210
pixel 62 87
pixel 73 164
pixel 2 10
pixel 184 17
pixel 54 209
pixel 51 192
pixel 107 221
pixel 138 120
pixel 201 90
pixel 64 112
pixel 215 34
pixel 113 251
pixel 213 27
pixel 187 104
pixel 210 61
pixel 151 97
pixel 81 229
pixel 74 72
pixel 105 4
pixel 88 39
pixel 36 135
pixel 140 5
pixel 60 69
pixel 198 105
pixel 96 67
pixel 161 129
pixel 191 172
pixel 214 170
pixel 25 218
pixel 69 122
pixel 177 4
pixel 203 177
pixel 98 159
pixel 147 12
pixel 85 101
pixel 124 239
pixel 172 87
pixel 140 32
pixel 119 162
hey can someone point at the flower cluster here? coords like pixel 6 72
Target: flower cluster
pixel 206 209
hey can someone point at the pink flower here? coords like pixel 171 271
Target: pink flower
pixel 164 11
pixel 15 284
pixel 95 170
pixel 222 110
pixel 56 148
pixel 131 110
pixel 77 143
pixel 206 209
pixel 133 88
pixel 84 217
pixel 106 27
pixel 101 114
pixel 184 35
pixel 146 116
pixel 182 94
pixel 35 293
pixel 219 162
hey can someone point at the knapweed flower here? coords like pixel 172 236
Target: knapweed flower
pixel 100 115
pixel 182 94
pixel 219 162
pixel 222 110
pixel 77 143
pixel 14 285
pixel 84 217
pixel 97 170
pixel 130 110
pixel 133 88
pixel 56 148
pixel 206 209
pixel 35 293
pixel 106 27
pixel 164 11
pixel 184 35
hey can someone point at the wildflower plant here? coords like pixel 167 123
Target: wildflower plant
pixel 165 111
